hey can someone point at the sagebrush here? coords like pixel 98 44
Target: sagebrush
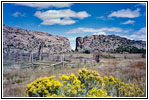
pixel 87 83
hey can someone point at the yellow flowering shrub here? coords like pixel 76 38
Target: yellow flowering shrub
pixel 86 84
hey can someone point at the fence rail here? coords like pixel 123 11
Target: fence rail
pixel 58 60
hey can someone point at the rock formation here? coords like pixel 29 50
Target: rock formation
pixel 18 40
pixel 105 43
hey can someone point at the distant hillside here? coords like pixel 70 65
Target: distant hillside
pixel 18 39
pixel 106 43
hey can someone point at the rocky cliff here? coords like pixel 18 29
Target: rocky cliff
pixel 18 39
pixel 105 43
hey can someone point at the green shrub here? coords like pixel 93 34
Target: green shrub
pixel 130 49
pixel 87 50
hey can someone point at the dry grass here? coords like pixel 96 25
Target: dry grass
pixel 128 70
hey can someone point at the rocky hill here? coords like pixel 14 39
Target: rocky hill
pixel 105 43
pixel 18 39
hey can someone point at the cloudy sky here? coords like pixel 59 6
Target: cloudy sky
pixel 79 19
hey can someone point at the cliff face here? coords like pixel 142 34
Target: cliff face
pixel 18 39
pixel 105 43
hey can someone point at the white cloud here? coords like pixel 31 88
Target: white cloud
pixel 45 5
pixel 138 35
pixel 73 46
pixel 122 36
pixel 81 30
pixel 101 17
pixel 125 13
pixel 62 17
pixel 17 14
pixel 128 30
pixel 84 30
pixel 99 33
pixel 128 22
pixel 72 42
pixel 141 31
pixel 72 38
pixel 105 18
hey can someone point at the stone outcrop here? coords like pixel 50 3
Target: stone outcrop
pixel 105 43
pixel 18 39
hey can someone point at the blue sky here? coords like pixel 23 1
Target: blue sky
pixel 79 19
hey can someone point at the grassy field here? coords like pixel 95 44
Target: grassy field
pixel 129 70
